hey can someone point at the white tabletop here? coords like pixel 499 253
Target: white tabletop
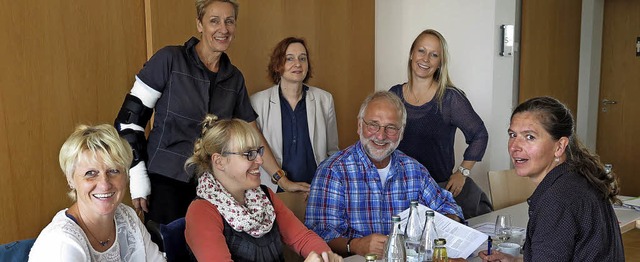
pixel 519 215
pixel 627 218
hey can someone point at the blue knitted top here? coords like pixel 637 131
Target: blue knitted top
pixel 430 132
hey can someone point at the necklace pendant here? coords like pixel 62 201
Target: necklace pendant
pixel 104 243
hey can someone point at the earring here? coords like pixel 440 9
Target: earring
pixel 557 159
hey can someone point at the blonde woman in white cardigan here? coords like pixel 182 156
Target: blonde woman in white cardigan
pixel 97 226
pixel 297 120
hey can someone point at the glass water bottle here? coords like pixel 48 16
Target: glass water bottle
pixel 429 235
pixel 413 233
pixel 394 250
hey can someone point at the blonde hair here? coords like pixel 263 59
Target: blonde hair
pixel 219 136
pixel 101 139
pixel 442 73
pixel 201 5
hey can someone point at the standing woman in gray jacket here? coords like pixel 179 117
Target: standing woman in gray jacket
pixel 297 120
pixel 181 85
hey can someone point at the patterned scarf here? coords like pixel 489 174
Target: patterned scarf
pixel 255 218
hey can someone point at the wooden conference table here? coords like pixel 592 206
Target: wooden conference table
pixel 628 219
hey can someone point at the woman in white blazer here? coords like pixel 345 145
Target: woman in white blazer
pixel 298 120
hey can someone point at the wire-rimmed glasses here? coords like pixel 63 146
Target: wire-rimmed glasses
pixel 390 130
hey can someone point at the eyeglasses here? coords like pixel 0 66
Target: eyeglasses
pixel 390 130
pixel 251 154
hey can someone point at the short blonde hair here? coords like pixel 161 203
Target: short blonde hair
pixel 101 139
pixel 202 4
pixel 219 136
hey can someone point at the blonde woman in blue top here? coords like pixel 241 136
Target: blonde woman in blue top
pixel 435 110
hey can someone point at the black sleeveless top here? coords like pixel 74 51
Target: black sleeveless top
pixel 244 247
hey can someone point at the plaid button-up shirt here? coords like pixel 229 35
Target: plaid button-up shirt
pixel 348 199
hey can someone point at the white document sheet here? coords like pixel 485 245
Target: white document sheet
pixel 633 203
pixel 462 240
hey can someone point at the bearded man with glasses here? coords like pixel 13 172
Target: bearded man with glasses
pixel 356 191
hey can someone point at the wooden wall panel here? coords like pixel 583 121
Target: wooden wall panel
pixel 67 62
pixel 340 35
pixel 550 50
pixel 340 38
pixel 64 62
pixel 170 22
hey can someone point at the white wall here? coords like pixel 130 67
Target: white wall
pixel 472 30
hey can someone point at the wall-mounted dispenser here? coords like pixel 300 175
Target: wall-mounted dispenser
pixel 507 40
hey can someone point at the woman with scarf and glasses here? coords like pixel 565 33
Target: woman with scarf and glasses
pixel 234 217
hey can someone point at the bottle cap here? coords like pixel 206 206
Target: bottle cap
pixel 430 213
pixel 413 203
pixel 371 257
pixel 440 241
pixel 395 219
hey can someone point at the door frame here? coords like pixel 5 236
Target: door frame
pixel 589 72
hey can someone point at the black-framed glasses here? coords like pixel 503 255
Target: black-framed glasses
pixel 251 154
pixel 390 130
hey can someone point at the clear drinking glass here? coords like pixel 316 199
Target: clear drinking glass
pixel 503 228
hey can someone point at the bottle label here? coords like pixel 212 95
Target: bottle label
pixel 412 251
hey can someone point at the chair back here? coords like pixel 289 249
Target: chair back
pixel 170 239
pixel 508 189
pixel 16 251
pixel 296 202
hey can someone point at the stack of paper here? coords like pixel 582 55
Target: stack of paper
pixel 632 203
pixel 462 240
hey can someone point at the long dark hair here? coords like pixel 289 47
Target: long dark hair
pixel 557 120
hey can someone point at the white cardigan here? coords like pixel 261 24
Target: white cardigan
pixel 64 240
pixel 321 119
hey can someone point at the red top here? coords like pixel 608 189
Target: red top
pixel 204 231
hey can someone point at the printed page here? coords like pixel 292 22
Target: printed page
pixel 634 202
pixel 462 240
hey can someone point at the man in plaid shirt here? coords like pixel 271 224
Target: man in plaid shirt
pixel 356 191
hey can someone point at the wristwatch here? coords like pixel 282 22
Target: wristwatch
pixel 349 246
pixel 464 171
pixel 278 175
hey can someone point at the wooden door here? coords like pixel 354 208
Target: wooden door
pixel 619 126
pixel 550 50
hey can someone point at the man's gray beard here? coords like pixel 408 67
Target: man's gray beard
pixel 367 149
